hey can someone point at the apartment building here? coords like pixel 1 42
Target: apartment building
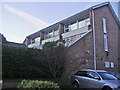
pixel 69 29
pixel 92 37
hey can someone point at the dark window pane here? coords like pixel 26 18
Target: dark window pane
pixel 81 73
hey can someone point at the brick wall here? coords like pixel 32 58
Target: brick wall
pixel 112 37
pixel 61 30
pixel 77 56
pixel 41 37
pixel 27 42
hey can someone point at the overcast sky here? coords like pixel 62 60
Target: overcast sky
pixel 20 19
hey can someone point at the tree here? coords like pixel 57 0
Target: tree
pixel 55 58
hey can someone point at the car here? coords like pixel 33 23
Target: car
pixel 98 79
pixel 1 84
pixel 1 81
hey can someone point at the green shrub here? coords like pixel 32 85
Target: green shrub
pixel 20 62
pixel 49 45
pixel 37 84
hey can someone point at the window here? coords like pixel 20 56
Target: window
pixel 50 34
pixel 104 25
pixel 105 42
pixel 32 41
pixel 66 29
pixel 37 39
pixel 81 73
pixel 93 75
pixel 74 26
pixel 46 36
pixel 112 65
pixel 88 21
pixel 107 65
pixel 105 35
pixel 69 27
pixel 56 32
pixel 107 76
pixel 82 24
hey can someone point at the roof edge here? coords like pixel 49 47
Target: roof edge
pixel 100 5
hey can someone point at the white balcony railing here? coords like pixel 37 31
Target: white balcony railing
pixel 75 32
pixel 50 39
pixel 34 44
pixel 83 35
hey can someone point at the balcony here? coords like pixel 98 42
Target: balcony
pixel 34 44
pixel 50 39
pixel 78 32
pixel 75 32
pixel 75 35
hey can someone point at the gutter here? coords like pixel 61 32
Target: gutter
pixel 94 39
pixel 100 5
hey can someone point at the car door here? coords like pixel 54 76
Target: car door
pixel 94 81
pixel 82 78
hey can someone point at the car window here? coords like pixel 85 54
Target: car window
pixel 92 74
pixel 107 76
pixel 81 73
pixel 116 74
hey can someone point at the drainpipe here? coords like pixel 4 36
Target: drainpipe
pixel 94 40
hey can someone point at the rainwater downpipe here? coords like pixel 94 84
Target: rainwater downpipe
pixel 94 40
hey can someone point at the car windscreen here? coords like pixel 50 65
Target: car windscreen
pixel 107 76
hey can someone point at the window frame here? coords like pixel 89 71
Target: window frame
pixel 73 26
pixel 91 76
pixel 107 64
pixel 105 35
pixel 82 73
pixel 54 33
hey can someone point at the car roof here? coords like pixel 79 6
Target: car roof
pixel 92 70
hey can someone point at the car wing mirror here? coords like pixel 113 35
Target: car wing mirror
pixel 97 78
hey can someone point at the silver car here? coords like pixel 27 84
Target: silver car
pixel 98 79
pixel 1 84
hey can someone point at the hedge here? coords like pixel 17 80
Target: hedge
pixel 21 62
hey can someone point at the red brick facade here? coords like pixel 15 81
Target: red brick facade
pixel 61 30
pixel 112 38
pixel 27 42
pixel 41 37
pixel 77 56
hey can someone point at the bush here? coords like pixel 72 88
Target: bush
pixel 20 62
pixel 37 84
pixel 49 45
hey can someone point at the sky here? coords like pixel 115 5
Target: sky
pixel 20 19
